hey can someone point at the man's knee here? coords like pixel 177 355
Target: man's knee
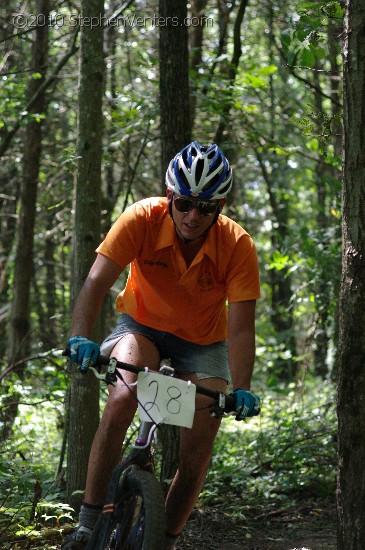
pixel 119 410
pixel 137 350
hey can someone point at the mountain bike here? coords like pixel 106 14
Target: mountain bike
pixel 133 517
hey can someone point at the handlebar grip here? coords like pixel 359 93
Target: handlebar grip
pixel 103 360
pixel 230 405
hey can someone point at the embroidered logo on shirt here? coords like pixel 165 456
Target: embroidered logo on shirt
pixel 205 281
pixel 156 263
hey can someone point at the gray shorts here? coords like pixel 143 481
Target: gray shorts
pixel 204 360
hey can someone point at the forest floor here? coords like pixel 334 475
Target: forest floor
pixel 306 525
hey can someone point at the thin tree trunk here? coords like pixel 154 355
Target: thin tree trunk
pixel 280 281
pixel 9 187
pixel 174 81
pixel 84 395
pixel 351 368
pixel 323 173
pixel 232 72
pixel 175 134
pixel 19 341
pixel 196 48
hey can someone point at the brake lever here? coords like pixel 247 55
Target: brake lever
pixel 110 377
pixel 217 411
pixel 223 407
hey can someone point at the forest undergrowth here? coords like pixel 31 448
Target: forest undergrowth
pixel 271 484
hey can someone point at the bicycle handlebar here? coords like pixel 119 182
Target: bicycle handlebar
pixel 223 403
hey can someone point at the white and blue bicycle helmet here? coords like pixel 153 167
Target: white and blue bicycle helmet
pixel 200 171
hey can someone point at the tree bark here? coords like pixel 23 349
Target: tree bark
pixel 174 81
pixel 175 134
pixel 351 368
pixel 196 48
pixel 232 72
pixel 84 395
pixel 28 197
pixel 19 342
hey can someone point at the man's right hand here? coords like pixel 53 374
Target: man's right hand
pixel 83 351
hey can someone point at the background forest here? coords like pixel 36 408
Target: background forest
pixel 265 85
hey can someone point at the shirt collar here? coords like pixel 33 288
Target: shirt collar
pixel 167 237
pixel 167 234
pixel 210 244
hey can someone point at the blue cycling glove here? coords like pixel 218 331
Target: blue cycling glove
pixel 83 351
pixel 247 404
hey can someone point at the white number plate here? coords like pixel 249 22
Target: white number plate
pixel 166 400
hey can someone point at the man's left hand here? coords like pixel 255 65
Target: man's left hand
pixel 247 404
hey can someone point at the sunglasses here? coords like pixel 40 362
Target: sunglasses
pixel 205 208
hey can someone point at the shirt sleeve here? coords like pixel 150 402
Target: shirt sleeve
pixel 243 281
pixel 125 239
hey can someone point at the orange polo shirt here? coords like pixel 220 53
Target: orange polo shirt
pixel 161 292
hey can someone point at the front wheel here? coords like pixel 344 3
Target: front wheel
pixel 139 517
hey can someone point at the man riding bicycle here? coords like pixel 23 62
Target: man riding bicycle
pixel 186 261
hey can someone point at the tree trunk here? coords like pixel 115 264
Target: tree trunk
pixel 174 81
pixel 280 280
pixel 351 369
pixel 19 342
pixel 196 48
pixel 175 134
pixel 232 72
pixel 325 173
pixel 84 395
pixel 19 332
pixel 276 180
pixel 9 185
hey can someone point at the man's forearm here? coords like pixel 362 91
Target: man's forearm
pixel 86 311
pixel 241 360
pixel 241 343
pixel 103 274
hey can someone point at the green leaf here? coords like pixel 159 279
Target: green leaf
pixel 333 9
pixel 306 57
pixel 312 144
pixel 278 150
pixel 305 6
pixel 280 261
pixel 319 52
pixel 286 40
pixel 270 69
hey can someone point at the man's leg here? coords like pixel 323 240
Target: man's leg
pixel 195 454
pixel 108 441
pixel 117 416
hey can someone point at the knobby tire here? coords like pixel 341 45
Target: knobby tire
pixel 139 517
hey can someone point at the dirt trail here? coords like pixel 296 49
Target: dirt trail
pixel 311 528
pixel 307 525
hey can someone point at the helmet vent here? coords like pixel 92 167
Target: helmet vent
pixel 201 170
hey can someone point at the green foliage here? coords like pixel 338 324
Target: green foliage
pixel 305 42
pixel 31 499
pixel 285 455
pixel 282 457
